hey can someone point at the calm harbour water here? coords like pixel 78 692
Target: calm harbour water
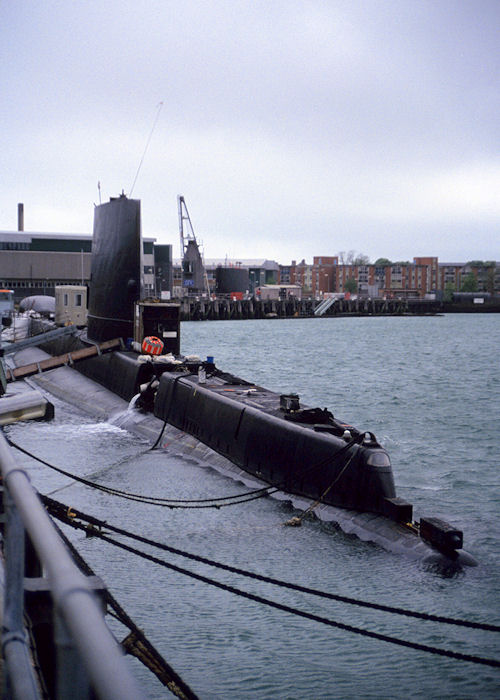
pixel 430 390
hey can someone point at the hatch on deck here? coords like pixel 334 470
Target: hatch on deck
pixel 161 320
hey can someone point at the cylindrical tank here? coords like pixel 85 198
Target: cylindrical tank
pixel 231 279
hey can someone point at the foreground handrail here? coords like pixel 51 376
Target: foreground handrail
pixel 72 596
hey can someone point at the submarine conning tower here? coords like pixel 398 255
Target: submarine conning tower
pixel 115 279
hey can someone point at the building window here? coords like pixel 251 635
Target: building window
pixel 65 300
pixel 78 299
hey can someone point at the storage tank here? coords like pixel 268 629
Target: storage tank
pixel 231 279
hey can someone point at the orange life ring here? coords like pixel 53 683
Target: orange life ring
pixel 152 345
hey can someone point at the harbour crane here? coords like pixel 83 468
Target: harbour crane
pixel 194 273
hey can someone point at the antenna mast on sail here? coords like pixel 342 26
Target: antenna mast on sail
pixel 158 110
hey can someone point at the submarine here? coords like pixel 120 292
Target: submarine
pixel 305 455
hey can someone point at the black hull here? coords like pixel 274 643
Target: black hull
pixel 295 458
pixel 98 394
pixel 244 423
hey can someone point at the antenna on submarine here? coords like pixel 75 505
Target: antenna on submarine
pixel 159 106
pixel 99 188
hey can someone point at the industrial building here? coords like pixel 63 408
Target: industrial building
pixel 35 263
pixel 246 275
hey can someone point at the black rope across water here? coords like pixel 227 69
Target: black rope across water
pixel 174 387
pixel 159 436
pixel 136 643
pixel 215 502
pixel 68 515
pixel 298 519
pixel 58 509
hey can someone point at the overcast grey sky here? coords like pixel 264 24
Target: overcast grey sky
pixel 292 128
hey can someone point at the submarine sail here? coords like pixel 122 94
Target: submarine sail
pixel 115 279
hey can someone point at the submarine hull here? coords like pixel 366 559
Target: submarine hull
pixel 323 463
pixel 92 392
pixel 232 420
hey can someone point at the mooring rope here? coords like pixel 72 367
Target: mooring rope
pixel 61 510
pixel 147 653
pixel 297 520
pixel 174 387
pixel 70 520
pixel 159 436
pixel 215 502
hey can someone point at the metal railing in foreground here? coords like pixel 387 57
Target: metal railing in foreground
pixel 87 655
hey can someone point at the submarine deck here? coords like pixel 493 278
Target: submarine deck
pixel 284 406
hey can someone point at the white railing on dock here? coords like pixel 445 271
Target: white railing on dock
pixel 87 653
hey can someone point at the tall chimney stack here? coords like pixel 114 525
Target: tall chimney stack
pixel 20 216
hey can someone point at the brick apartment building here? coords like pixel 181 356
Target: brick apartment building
pixel 425 275
pixel 316 279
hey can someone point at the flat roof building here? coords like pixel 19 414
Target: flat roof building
pixel 34 263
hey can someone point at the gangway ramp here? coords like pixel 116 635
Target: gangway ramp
pixel 324 306
pixel 68 358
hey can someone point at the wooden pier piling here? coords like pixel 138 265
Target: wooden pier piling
pixel 222 309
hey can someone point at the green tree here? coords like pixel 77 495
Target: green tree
pixel 469 283
pixel 449 288
pixel 350 285
pixel 490 279
pixel 383 262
